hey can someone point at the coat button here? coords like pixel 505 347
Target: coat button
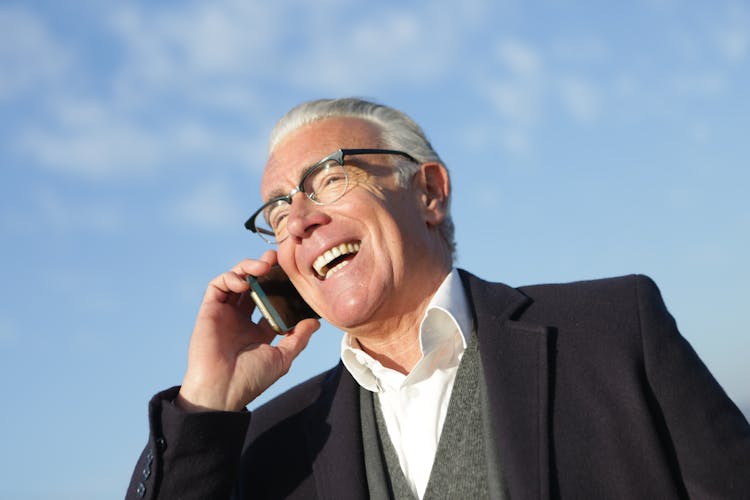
pixel 161 443
pixel 146 472
pixel 141 490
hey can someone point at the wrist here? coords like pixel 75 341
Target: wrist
pixel 192 403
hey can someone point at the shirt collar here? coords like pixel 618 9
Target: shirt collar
pixel 447 324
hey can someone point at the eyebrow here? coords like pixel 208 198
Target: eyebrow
pixel 276 194
pixel 282 193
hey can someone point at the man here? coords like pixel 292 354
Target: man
pixel 449 386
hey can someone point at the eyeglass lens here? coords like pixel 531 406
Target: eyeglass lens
pixel 324 184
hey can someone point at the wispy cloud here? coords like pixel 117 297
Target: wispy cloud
pixel 211 205
pixel 733 39
pixel 100 140
pixel 204 66
pixel 391 47
pixel 519 58
pixel 166 48
pixel 194 83
pixel 46 209
pixel 30 57
pixel 91 139
pixel 516 89
pixel 580 97
pixel 709 83
pixel 164 103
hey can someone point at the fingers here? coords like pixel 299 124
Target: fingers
pixel 224 286
pixel 256 267
pixel 233 282
pixel 293 343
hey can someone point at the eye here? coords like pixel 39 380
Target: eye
pixel 326 183
pixel 276 215
pixel 330 178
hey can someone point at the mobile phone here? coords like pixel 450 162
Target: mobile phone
pixel 278 301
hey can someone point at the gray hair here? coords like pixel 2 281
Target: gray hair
pixel 398 131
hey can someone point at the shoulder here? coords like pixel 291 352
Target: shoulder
pixel 611 293
pixel 632 297
pixel 616 284
pixel 605 303
pixel 598 311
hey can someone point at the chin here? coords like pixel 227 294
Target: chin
pixel 350 314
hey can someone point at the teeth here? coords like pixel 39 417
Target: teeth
pixel 321 263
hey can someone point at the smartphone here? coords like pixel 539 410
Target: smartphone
pixel 278 301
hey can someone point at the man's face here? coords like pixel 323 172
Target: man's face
pixel 380 229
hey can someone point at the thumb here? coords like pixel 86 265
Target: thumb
pixel 294 342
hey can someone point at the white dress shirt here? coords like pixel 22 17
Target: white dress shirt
pixel 414 405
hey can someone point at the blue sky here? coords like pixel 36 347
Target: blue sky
pixel 585 139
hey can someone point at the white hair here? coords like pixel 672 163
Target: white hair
pixel 397 130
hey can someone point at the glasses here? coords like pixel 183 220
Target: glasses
pixel 323 183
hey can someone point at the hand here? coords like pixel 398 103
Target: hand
pixel 231 361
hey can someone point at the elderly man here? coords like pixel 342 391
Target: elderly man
pixel 449 386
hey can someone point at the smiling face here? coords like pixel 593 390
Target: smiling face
pixel 375 255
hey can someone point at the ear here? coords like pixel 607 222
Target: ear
pixel 434 184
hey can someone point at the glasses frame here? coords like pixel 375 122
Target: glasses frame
pixel 338 157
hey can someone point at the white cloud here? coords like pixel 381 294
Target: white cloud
pixel 199 40
pixel 530 86
pixel 389 47
pixel 99 140
pixel 580 50
pixel 514 100
pixel 211 205
pixel 330 49
pixel 581 98
pixel 184 73
pixel 519 58
pixel 184 83
pixel 733 40
pixel 30 57
pixel 698 84
pixel 46 209
pixel 517 141
pixel 516 93
pixel 204 64
pixel 67 215
pixel 93 140
pixel 734 44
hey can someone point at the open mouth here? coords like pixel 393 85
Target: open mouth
pixel 334 259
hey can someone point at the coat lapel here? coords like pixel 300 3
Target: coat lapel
pixel 515 359
pixel 334 438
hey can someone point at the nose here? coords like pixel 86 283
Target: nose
pixel 304 216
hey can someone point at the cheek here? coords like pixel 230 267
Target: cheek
pixel 285 258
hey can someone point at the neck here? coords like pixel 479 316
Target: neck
pixel 394 341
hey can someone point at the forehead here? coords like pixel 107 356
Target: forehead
pixel 310 143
